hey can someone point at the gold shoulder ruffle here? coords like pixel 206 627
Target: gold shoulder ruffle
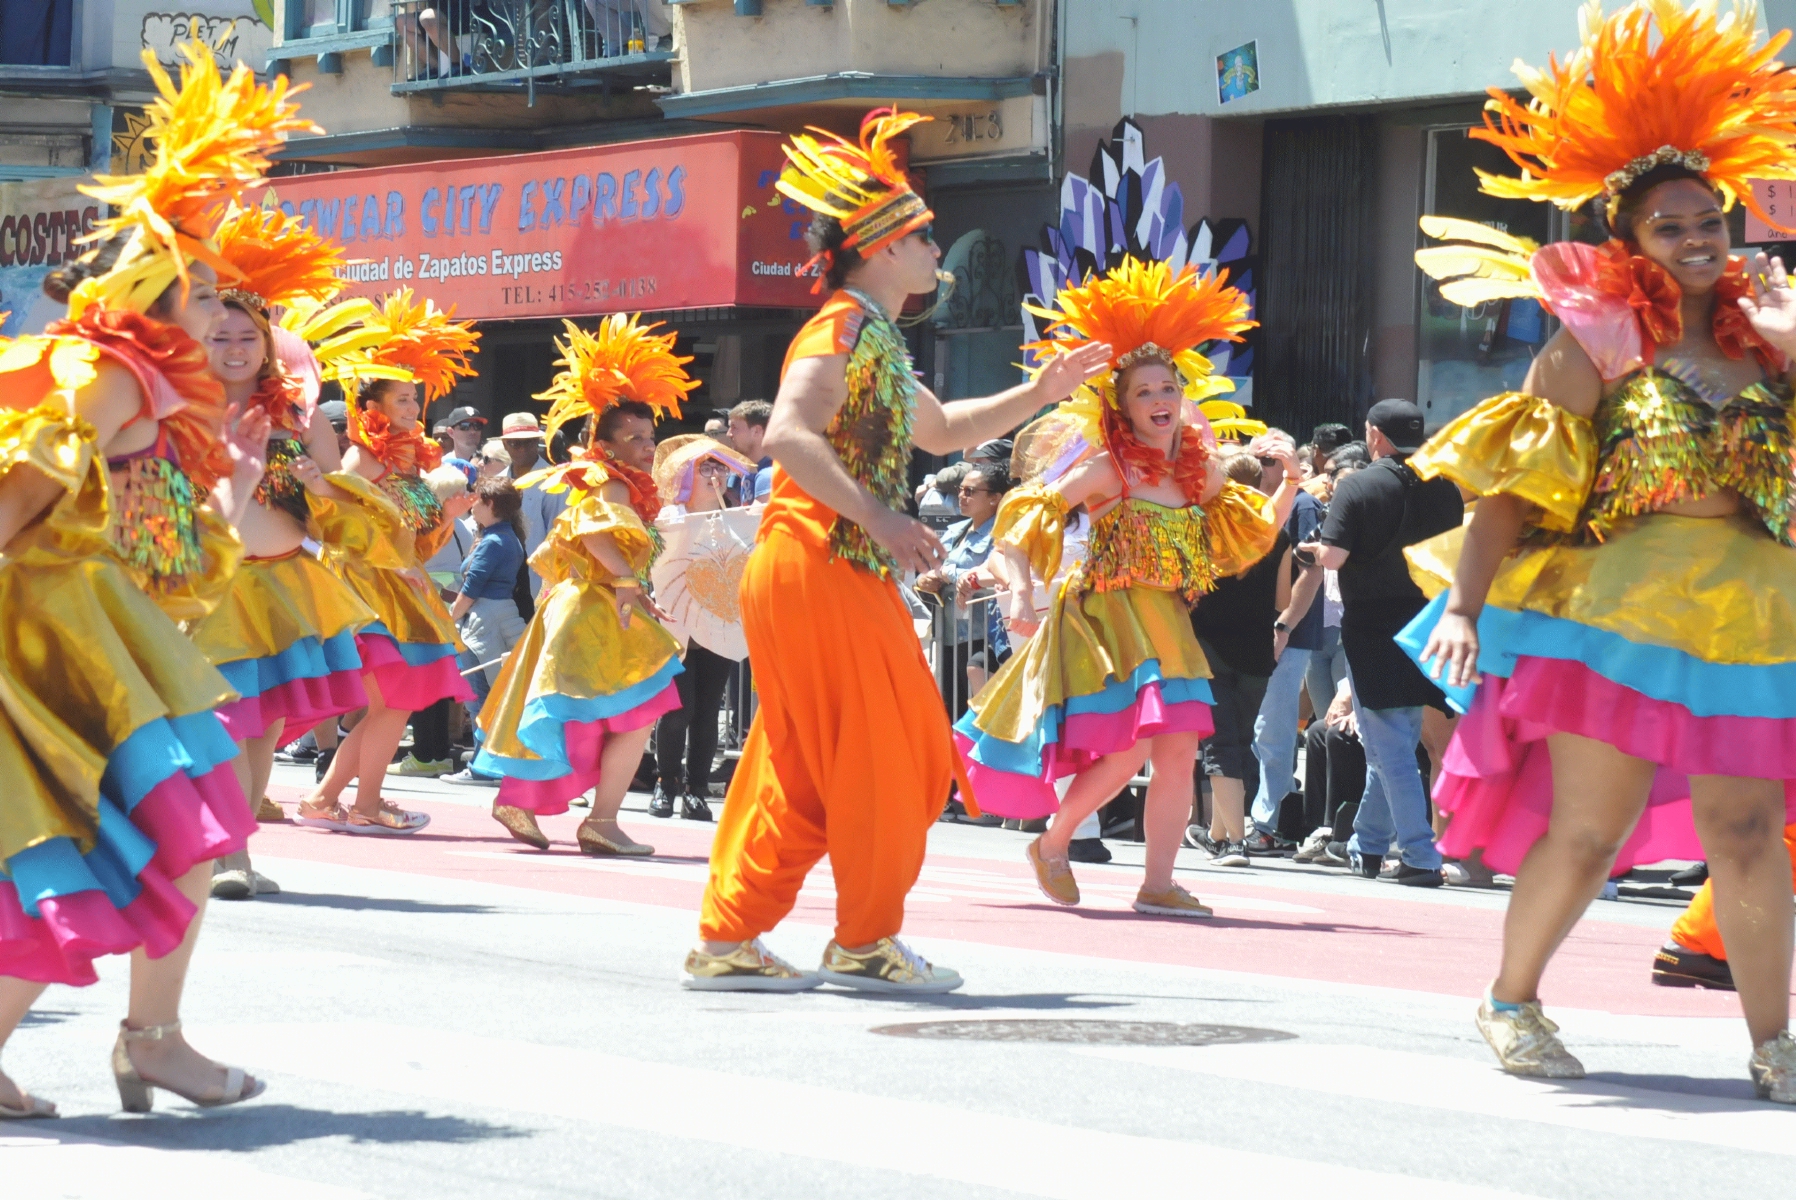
pixel 1032 518
pixel 1241 533
pixel 367 527
pixel 562 556
pixel 1521 445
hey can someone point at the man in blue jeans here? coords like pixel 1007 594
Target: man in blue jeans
pixel 1375 513
pixel 1297 632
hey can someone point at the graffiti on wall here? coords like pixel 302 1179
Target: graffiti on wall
pixel 238 39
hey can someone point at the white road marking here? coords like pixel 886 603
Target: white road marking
pixel 1460 1085
pixel 1033 1158
pixel 54 1166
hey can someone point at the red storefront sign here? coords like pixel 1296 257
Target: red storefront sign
pixel 689 222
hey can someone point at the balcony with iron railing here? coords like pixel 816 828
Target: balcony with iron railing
pixel 530 44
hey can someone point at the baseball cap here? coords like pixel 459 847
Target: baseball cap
pixel 337 413
pixel 997 450
pixel 520 425
pixel 1400 421
pixel 464 413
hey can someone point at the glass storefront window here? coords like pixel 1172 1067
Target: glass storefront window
pixel 1467 354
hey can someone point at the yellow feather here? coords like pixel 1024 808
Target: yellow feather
pixel 1471 292
pixel 1445 262
pixel 1452 228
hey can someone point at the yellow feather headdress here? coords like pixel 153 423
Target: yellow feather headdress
pixel 277 260
pixel 396 339
pixel 1704 97
pixel 620 360
pixel 863 186
pixel 211 138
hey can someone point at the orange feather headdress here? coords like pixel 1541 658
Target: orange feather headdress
pixel 621 360
pixel 413 342
pixel 277 260
pixel 1705 97
pixel 861 185
pixel 212 140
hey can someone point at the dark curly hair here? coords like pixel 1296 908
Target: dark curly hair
pixel 826 233
pixel 614 416
pixel 1633 198
pixel 60 283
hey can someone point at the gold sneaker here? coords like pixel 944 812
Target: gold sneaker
pixel 1526 1042
pixel 1055 879
pixel 1773 1068
pixel 268 812
pixel 1175 901
pixel 750 967
pixel 890 966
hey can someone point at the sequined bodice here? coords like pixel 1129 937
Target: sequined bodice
pixel 420 506
pixel 154 525
pixel 1142 544
pixel 280 488
pixel 1660 443
pixel 871 433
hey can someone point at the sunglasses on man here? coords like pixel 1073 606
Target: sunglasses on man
pixel 467 426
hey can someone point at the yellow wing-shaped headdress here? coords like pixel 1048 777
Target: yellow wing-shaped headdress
pixel 862 185
pixel 1478 263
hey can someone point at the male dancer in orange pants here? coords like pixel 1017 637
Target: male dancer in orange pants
pixel 1695 957
pixel 850 753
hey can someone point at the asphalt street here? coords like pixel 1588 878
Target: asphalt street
pixel 456 1015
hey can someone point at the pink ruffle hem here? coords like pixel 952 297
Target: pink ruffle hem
pixel 1084 738
pixel 405 686
pixel 1497 781
pixel 585 739
pixel 191 821
pixel 302 703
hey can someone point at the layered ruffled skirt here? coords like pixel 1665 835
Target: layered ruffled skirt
pixel 1674 641
pixel 285 639
pixel 410 647
pixel 1105 671
pixel 117 775
pixel 577 675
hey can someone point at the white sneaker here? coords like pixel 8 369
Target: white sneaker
pixel 1314 846
pixel 467 777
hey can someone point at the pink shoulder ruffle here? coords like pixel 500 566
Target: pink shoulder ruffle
pixel 1603 322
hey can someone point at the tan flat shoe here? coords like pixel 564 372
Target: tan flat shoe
pixel 268 812
pixel 521 825
pixel 620 845
pixel 1053 877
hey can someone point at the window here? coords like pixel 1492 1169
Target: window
pixel 36 33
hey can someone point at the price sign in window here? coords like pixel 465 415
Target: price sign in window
pixel 1778 198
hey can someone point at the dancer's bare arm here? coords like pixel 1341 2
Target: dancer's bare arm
pixel 943 428
pixel 810 396
pixel 1564 374
pixel 602 546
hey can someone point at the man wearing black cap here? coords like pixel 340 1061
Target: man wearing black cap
pixel 1375 514
pixel 468 428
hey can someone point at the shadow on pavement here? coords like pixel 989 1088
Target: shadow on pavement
pixel 257 1126
pixel 371 903
pixel 1734 1093
pixel 47 1016
pixel 1111 914
pixel 1040 1001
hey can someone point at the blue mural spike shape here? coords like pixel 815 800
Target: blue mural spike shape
pixel 1096 230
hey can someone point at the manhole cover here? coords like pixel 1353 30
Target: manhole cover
pixel 1086 1033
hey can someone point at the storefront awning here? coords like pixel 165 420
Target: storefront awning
pixel 675 223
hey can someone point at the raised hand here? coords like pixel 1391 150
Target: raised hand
pixel 247 444
pixel 1067 371
pixel 310 476
pixel 1772 306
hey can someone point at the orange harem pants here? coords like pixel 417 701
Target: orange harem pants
pixel 1695 928
pixel 850 753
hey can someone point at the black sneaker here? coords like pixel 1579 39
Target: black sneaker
pixel 694 809
pixel 1266 845
pixel 1335 855
pixel 296 754
pixel 1676 966
pixel 1088 850
pixel 1410 876
pixel 1230 854
pixel 1198 838
pixel 661 803
pixel 322 764
pixel 1365 865
pixel 1691 877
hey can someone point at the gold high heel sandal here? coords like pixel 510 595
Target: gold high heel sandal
pixel 521 825
pixel 136 1094
pixel 596 844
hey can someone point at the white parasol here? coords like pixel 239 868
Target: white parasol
pixel 699 573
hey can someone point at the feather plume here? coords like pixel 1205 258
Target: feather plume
pixel 212 138
pixel 862 185
pixel 399 339
pixel 1654 83
pixel 277 259
pixel 1481 264
pixel 620 360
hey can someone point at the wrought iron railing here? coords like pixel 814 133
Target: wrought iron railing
pixel 474 41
